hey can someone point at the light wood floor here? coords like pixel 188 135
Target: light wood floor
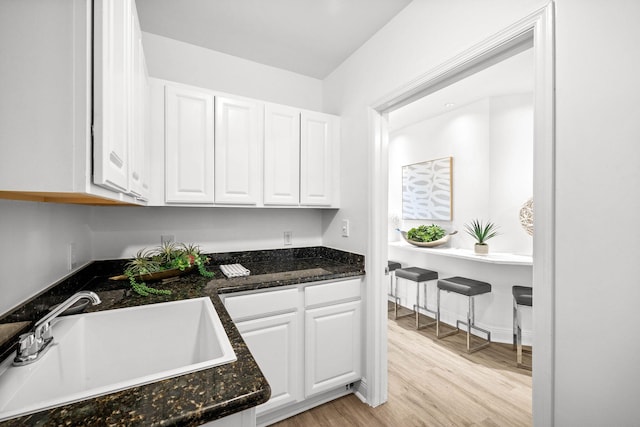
pixel 436 383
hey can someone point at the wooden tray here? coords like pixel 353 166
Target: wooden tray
pixel 159 275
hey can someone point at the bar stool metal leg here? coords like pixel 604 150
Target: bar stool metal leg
pixel 470 324
pixel 396 298
pixel 522 297
pixel 393 292
pixel 424 307
pixel 514 313
pixel 518 338
pixel 444 334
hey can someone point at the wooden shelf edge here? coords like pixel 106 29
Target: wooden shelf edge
pixel 61 197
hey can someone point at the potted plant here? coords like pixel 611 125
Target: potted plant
pixel 481 233
pixel 168 260
pixel 427 235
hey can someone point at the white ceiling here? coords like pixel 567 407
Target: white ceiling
pixel 513 75
pixel 309 37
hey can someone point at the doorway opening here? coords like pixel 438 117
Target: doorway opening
pixel 534 32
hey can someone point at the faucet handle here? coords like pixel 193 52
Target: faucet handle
pixel 26 345
pixel 44 331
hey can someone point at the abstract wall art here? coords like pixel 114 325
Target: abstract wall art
pixel 426 190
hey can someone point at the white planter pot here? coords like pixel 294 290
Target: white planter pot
pixel 481 249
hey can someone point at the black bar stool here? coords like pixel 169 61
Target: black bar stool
pixel 420 276
pixel 468 288
pixel 392 266
pixel 522 295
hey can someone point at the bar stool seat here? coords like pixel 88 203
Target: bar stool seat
pixel 420 276
pixel 393 265
pixel 469 288
pixel 522 296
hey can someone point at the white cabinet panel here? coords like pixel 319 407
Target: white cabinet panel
pixel 273 341
pixel 281 155
pixel 246 418
pixel 333 292
pixel 189 146
pixel 332 347
pixel 262 304
pixel 139 144
pixel 238 151
pixel 112 88
pixel 318 135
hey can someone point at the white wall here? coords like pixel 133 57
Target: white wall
pixel 33 246
pixel 463 134
pixel 186 63
pixel 118 232
pixel 597 378
pixel 491 142
pixel 511 165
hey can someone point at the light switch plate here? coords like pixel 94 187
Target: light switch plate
pixel 345 228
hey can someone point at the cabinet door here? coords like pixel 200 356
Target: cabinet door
pixel 332 347
pixel 317 137
pixel 139 145
pixel 274 343
pixel 113 44
pixel 188 146
pixel 238 151
pixel 281 155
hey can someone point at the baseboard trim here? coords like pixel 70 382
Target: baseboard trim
pixel 305 405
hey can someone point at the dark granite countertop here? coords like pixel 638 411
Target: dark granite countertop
pixel 194 398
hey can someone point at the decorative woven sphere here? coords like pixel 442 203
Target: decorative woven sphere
pixel 526 216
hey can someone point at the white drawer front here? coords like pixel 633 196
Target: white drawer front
pixel 332 292
pixel 261 303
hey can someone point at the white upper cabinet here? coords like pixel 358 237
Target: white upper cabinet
pixel 238 151
pixel 113 68
pixel 189 145
pixel 139 147
pixel 319 133
pixel 224 150
pixel 281 155
pixel 80 136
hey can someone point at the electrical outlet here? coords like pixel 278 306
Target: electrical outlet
pixel 287 238
pixel 345 228
pixel 167 238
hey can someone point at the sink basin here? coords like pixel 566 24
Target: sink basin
pixel 99 353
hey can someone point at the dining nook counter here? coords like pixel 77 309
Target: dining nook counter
pixel 493 310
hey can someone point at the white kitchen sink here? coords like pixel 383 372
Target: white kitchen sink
pixel 99 353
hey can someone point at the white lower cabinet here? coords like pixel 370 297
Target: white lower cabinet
pixel 273 341
pixel 246 418
pixel 306 340
pixel 332 347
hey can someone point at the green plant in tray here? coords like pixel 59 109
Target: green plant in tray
pixel 426 233
pixel 169 256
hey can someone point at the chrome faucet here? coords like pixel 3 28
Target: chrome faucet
pixel 34 344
